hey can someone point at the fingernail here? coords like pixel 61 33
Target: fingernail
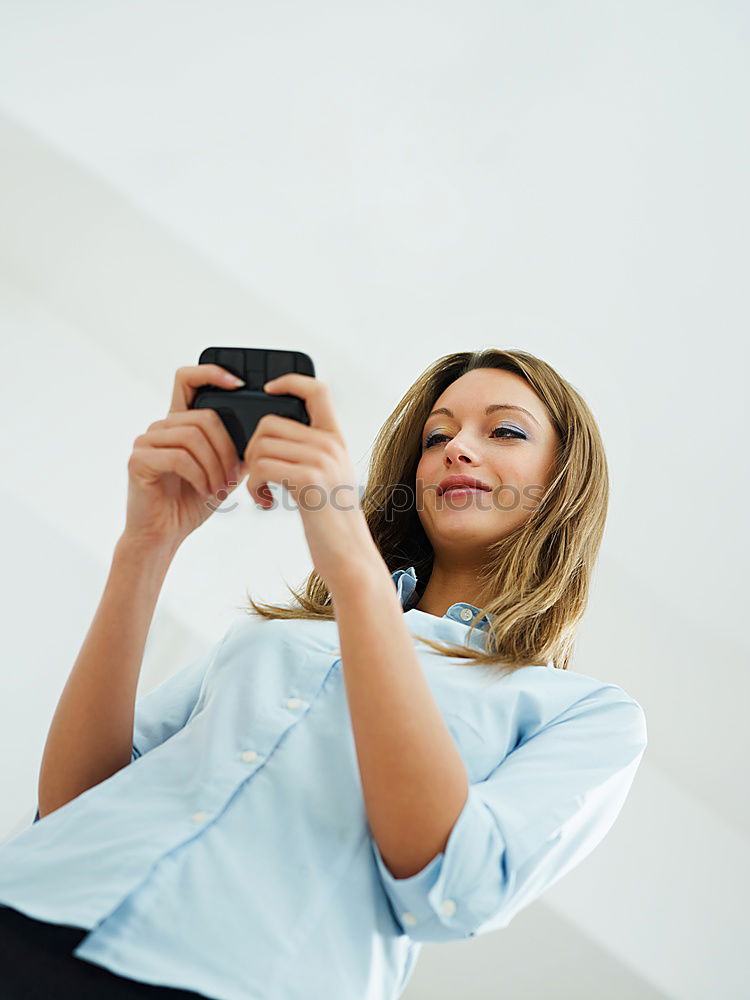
pixel 234 379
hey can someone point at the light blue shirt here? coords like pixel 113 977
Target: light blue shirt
pixel 233 857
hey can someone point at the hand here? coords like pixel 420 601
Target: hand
pixel 313 464
pixel 181 464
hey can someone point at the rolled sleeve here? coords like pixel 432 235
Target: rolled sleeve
pixel 163 711
pixel 539 814
pixel 455 891
pixel 134 754
pixel 166 709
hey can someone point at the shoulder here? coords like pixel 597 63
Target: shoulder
pixel 552 697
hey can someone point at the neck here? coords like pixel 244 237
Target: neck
pixel 447 587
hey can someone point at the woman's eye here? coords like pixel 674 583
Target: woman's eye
pixel 432 438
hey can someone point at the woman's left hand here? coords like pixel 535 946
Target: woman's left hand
pixel 312 462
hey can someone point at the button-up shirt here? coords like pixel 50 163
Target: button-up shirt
pixel 233 857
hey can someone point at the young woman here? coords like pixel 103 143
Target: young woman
pixel 401 755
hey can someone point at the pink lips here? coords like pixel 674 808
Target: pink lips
pixel 467 482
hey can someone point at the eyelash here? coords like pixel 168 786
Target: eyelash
pixel 431 438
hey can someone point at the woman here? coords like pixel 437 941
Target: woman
pixel 403 755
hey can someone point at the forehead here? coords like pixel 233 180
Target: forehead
pixel 490 385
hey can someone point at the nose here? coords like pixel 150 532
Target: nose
pixel 457 451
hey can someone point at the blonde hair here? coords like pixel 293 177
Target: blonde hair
pixel 535 583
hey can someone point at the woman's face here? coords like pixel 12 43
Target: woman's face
pixel 511 451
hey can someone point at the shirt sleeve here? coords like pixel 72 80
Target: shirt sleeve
pixel 538 814
pixel 165 709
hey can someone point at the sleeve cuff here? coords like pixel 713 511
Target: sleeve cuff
pixel 451 896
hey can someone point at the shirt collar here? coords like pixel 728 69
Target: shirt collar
pixel 405 581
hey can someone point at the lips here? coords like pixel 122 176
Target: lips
pixel 465 482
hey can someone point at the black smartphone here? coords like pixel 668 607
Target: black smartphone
pixel 241 409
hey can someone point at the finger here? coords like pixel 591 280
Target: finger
pixel 315 394
pixel 266 451
pixel 175 460
pixel 213 427
pixel 189 378
pixel 192 439
pixel 271 470
pixel 272 425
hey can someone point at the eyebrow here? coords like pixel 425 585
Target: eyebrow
pixel 490 409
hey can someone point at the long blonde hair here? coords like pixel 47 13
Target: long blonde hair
pixel 535 583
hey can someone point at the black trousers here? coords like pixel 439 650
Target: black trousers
pixel 36 964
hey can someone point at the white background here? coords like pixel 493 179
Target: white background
pixel 377 185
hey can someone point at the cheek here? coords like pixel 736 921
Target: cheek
pixel 419 484
pixel 529 472
pixel 422 480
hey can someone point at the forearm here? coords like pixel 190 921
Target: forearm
pixel 91 734
pixel 414 781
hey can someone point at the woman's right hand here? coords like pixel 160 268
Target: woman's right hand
pixel 180 464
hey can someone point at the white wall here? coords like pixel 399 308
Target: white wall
pixel 379 185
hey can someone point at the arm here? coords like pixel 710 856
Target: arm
pixel 543 809
pixel 458 859
pixel 414 780
pixel 91 734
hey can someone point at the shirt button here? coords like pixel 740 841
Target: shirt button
pixel 199 817
pixel 408 918
pixel 293 703
pixel 249 756
pixel 447 907
pixel 467 614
